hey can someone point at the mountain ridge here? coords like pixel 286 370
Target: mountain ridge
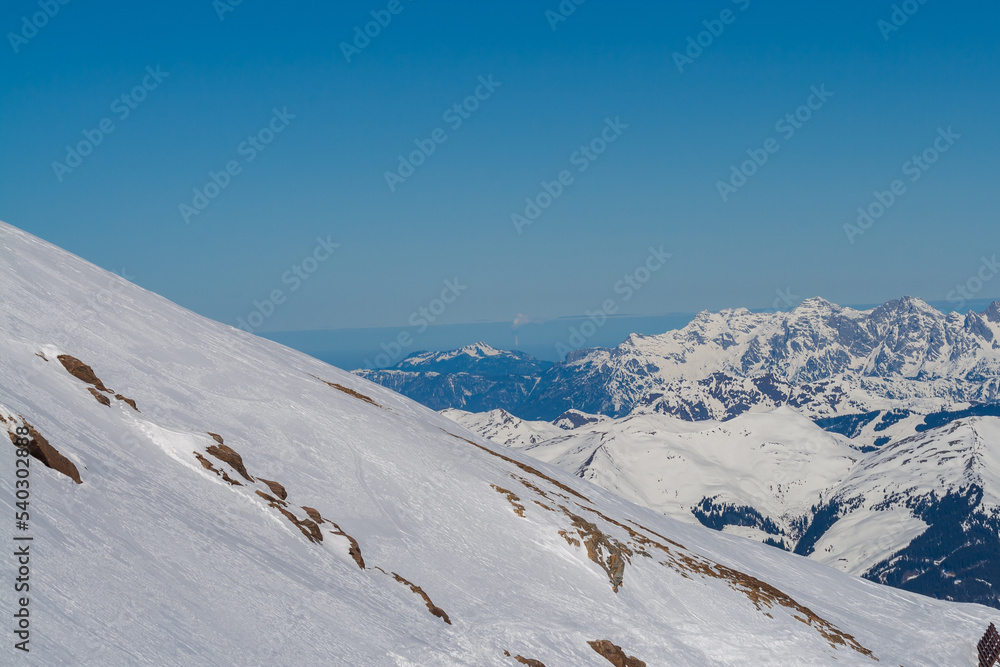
pixel 827 361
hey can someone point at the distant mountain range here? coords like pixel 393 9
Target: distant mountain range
pixel 871 374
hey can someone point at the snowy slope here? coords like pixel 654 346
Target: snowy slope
pixel 765 472
pixel 503 428
pixel 917 513
pixel 158 558
pixel 922 513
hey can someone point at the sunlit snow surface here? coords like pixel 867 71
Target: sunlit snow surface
pixel 157 560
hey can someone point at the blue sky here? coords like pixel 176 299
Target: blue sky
pixel 552 91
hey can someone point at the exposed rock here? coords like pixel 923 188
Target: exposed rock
pixel 130 401
pixel 614 654
pixel 85 373
pixel 205 463
pixel 307 526
pixel 525 467
pixel 525 661
pixel 434 609
pixel 101 398
pixel 354 551
pixel 40 449
pixel 229 455
pixel 230 479
pixel 612 555
pixel 512 498
pixel 349 391
pixel 314 514
pixel 272 500
pixel 217 438
pixel 82 371
pixel 276 489
pixel 604 550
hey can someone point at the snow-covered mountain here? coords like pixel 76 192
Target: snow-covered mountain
pixel 921 513
pixel 821 358
pixel 504 428
pixel 476 377
pixel 200 496
pixel 478 358
pixel 826 361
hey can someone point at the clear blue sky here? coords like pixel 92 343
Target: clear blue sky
pixel 323 175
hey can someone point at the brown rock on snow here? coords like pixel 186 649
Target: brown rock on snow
pixel 276 489
pixel 40 449
pixel 614 654
pixel 227 454
pixel 101 398
pixel 130 401
pixel 525 661
pixel 434 609
pixel 82 371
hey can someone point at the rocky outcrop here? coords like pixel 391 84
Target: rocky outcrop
pixel 85 373
pixel 614 654
pixel 40 449
pixel 227 454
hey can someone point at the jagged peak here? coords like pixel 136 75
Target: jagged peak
pixel 911 304
pixel 992 313
pixel 480 349
pixel 815 303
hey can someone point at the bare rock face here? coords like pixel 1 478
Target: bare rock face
pixel 85 373
pixel 525 661
pixel 101 398
pixel 227 454
pixel 276 489
pixel 614 654
pixel 82 372
pixel 40 449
